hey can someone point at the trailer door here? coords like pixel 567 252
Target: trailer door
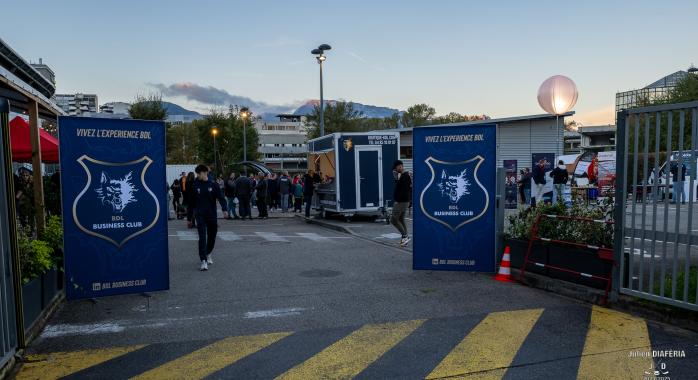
pixel 369 184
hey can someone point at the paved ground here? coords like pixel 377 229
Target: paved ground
pixel 287 299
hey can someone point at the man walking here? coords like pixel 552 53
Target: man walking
pixel 243 191
pixel 285 191
pixel 560 178
pixel 203 208
pixel 401 199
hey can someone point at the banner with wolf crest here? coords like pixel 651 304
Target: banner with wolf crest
pixel 454 186
pixel 114 206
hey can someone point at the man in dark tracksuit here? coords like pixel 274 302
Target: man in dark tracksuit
pixel 203 207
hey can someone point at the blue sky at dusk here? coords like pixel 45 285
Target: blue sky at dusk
pixel 462 56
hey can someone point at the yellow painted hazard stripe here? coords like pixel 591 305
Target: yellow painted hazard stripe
pixel 490 347
pixel 60 364
pixel 212 358
pixel 611 338
pixel 349 356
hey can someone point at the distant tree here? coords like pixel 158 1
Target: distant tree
pixel 148 108
pixel 229 140
pixel 455 117
pixel 182 144
pixel 339 117
pixel 686 90
pixel 572 126
pixel 418 114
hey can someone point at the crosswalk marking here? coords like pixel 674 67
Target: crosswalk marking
pixel 610 339
pixel 313 236
pixel 271 236
pixel 187 235
pixel 212 358
pixel 490 347
pixel 229 236
pixel 352 354
pixel 60 364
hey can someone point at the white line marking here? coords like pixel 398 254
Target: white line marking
pixel 188 235
pixel 271 236
pixel 313 236
pixel 274 313
pixel 392 235
pixel 228 236
pixel 53 331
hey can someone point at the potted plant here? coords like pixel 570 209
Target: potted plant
pixel 53 235
pixel 35 260
pixel 584 233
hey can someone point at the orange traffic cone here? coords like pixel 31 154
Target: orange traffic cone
pixel 504 274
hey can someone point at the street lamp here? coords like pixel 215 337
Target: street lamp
pixel 244 114
pixel 214 132
pixel 320 56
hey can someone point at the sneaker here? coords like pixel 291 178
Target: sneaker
pixel 404 241
pixel 204 265
pixel 209 260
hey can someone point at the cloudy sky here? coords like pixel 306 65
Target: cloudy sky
pixel 470 57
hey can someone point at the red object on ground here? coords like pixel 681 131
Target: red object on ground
pixel 504 274
pixel 22 147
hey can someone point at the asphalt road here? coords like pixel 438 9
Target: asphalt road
pixel 293 300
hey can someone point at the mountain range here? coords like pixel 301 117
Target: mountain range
pixel 368 111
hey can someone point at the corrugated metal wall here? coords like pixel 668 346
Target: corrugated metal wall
pixel 518 140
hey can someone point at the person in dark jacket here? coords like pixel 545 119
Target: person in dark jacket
pixel 176 197
pixel 677 182
pixel 308 189
pixel 284 185
pixel 243 191
pixel 187 194
pixel 401 199
pixel 272 192
pixel 262 196
pixel 560 178
pixel 539 179
pixel 205 193
pixel 229 190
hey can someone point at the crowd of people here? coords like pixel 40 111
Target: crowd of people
pixel 243 193
pixel 537 178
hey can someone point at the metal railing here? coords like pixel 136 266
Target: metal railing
pixel 656 241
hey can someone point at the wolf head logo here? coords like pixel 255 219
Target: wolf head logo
pixel 454 186
pixel 117 193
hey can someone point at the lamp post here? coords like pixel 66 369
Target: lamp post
pixel 214 132
pixel 244 114
pixel 320 56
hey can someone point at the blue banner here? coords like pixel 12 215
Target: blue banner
pixel 115 206
pixel 454 185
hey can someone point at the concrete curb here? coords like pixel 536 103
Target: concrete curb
pixel 653 311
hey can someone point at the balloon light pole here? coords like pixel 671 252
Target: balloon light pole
pixel 557 96
pixel 244 114
pixel 214 132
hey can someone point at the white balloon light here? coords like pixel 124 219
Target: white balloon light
pixel 557 95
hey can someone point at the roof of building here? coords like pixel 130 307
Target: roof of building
pixel 487 121
pixel 669 80
pixel 13 62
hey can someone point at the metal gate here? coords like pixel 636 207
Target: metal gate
pixel 656 190
pixel 8 326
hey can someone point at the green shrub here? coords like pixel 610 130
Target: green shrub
pixel 598 234
pixel 53 235
pixel 680 283
pixel 35 256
